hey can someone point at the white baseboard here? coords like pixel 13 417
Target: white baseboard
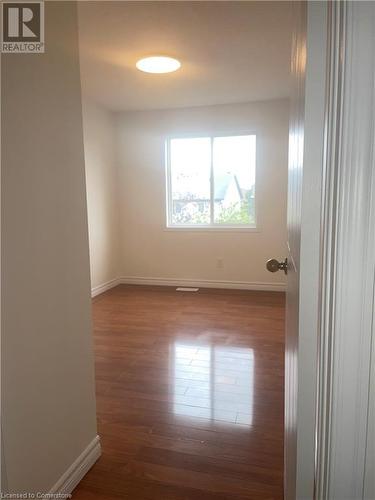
pixel 231 285
pixel 69 480
pixel 234 285
pixel 97 290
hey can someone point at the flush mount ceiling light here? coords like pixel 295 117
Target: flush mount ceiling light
pixel 158 64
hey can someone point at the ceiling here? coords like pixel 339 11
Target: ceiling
pixel 230 52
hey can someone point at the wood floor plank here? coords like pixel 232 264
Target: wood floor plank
pixel 190 392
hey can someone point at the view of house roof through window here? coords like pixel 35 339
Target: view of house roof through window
pixel 211 181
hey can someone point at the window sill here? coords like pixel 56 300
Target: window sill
pixel 223 229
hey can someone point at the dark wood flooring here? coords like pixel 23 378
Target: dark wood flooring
pixel 190 395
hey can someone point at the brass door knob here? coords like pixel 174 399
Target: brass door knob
pixel 274 265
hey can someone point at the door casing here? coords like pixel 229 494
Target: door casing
pixel 335 397
pixel 344 444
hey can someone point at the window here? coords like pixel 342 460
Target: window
pixel 211 182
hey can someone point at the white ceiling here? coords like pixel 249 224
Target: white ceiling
pixel 230 52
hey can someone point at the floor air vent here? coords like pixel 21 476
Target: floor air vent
pixel 186 289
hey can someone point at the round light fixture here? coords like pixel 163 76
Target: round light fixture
pixel 158 64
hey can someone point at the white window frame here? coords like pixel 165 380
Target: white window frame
pixel 212 226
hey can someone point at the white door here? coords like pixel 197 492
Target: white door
pixel 295 168
pixel 310 51
pixel 331 263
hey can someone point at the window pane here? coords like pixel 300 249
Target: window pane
pixel 190 165
pixel 234 179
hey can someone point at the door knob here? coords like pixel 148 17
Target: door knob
pixel 274 265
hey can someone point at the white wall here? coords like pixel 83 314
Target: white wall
pixel 148 250
pixel 48 399
pixel 102 193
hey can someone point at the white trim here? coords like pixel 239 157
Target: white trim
pixel 220 229
pixel 328 247
pixel 211 132
pixel 182 282
pixel 348 264
pixel 187 282
pixel 97 290
pixel 73 475
pixel 310 250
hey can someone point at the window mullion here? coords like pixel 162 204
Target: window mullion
pixel 169 182
pixel 212 184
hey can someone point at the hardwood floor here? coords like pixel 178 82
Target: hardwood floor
pixel 190 395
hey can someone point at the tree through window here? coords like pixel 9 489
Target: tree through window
pixel 211 181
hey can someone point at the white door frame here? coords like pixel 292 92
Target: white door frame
pixel 344 443
pixel 309 271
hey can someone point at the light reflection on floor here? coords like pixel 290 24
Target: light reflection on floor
pixel 214 382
